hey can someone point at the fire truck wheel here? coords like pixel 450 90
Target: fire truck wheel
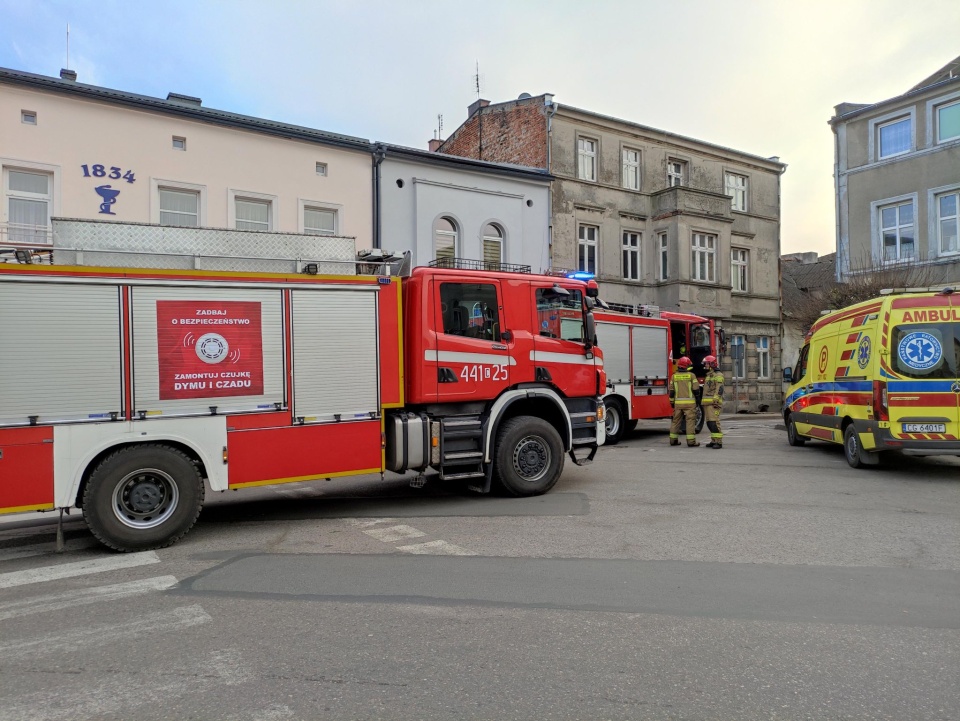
pixel 143 497
pixel 529 456
pixel 615 414
pixel 700 419
pixel 794 438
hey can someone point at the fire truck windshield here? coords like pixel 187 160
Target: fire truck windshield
pixel 561 316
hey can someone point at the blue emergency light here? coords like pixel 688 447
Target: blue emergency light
pixel 581 275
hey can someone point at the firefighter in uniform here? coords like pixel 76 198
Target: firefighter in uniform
pixel 713 400
pixel 683 399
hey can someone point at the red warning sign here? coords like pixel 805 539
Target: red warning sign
pixel 209 349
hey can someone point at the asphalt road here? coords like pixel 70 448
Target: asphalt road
pixel 757 582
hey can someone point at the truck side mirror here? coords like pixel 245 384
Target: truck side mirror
pixel 591 332
pixel 788 375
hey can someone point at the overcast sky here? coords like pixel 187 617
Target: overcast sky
pixel 759 76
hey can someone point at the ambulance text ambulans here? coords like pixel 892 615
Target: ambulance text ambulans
pixel 881 375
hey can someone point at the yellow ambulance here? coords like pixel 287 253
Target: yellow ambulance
pixel 881 375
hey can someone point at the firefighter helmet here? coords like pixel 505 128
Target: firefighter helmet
pixel 684 363
pixel 711 362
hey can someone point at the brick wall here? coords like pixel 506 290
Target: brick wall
pixel 514 132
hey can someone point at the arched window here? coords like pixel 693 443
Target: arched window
pixel 445 239
pixel 492 247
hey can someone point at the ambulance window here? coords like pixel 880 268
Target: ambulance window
pixel 560 316
pixel 801 370
pixel 470 310
pixel 926 350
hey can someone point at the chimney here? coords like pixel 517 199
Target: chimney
pixel 70 75
pixel 434 144
pixel 475 106
pixel 184 99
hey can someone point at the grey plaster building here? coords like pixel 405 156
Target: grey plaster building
pixel 659 218
pixel 897 176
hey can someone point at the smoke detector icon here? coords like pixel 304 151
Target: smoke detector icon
pixel 212 348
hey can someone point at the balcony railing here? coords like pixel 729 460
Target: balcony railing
pixel 19 235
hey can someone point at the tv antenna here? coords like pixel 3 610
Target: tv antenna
pixel 68 46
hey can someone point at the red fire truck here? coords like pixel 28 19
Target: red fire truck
pixel 126 392
pixel 640 346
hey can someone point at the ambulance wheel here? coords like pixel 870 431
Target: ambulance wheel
pixel 700 419
pixel 794 438
pixel 529 456
pixel 143 497
pixel 851 447
pixel 615 417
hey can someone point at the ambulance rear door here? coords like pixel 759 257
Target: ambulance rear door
pixel 923 394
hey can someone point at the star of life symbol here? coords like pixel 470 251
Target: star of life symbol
pixel 955 387
pixel 920 350
pixel 863 352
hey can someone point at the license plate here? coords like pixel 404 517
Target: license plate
pixel 924 428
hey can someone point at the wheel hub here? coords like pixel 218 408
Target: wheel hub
pixel 531 458
pixel 145 498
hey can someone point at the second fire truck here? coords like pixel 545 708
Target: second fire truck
pixel 641 348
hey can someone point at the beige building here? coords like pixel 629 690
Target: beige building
pixel 81 151
pixel 897 177
pixel 659 218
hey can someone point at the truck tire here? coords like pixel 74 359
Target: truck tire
pixel 616 420
pixel 794 438
pixel 143 497
pixel 631 425
pixel 528 457
pixel 701 417
pixel 851 447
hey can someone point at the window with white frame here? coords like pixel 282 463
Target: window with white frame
pixel 739 269
pixel 179 207
pixel 896 231
pixel 631 169
pixel 739 364
pixel 676 172
pixel 319 221
pixel 703 258
pixel 948 122
pixel 663 267
pixel 948 220
pixel 492 246
pixel 28 117
pixel 587 248
pixel 735 186
pixel 763 357
pixel 445 239
pixel 586 159
pixel 895 137
pixel 253 214
pixel 29 199
pixel 631 255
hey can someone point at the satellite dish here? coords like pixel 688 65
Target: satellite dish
pixel 524 96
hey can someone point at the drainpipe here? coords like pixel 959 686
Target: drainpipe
pixel 379 152
pixel 551 110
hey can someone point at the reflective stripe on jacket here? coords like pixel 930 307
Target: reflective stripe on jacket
pixel 683 389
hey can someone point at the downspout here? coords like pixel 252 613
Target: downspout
pixel 551 111
pixel 838 272
pixel 379 153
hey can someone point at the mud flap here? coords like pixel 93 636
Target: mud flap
pixel 588 459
